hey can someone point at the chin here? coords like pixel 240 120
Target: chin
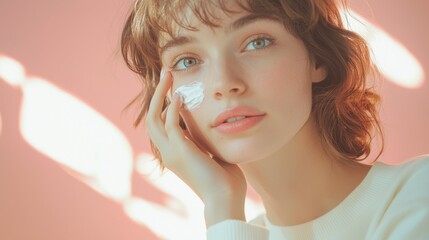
pixel 240 154
pixel 242 159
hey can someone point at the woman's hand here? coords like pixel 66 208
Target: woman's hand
pixel 220 185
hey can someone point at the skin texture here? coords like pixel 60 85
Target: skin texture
pixel 281 156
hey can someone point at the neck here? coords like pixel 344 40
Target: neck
pixel 300 182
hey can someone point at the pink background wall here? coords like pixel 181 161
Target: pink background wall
pixel 74 45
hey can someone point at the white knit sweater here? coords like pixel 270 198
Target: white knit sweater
pixel 392 202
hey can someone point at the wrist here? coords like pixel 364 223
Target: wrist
pixel 216 211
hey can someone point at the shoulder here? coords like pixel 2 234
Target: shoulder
pixel 403 187
pixel 404 210
pixel 416 168
pixel 408 183
pixel 414 175
pixel 418 161
pixel 420 164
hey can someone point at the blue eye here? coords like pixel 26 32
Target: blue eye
pixel 185 63
pixel 258 43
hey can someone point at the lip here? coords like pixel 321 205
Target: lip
pixel 253 116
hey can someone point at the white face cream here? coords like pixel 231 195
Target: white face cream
pixel 193 94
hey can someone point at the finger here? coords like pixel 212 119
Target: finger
pixel 161 90
pixel 172 127
pixel 153 119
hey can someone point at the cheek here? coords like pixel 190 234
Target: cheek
pixel 194 122
pixel 285 90
pixel 283 70
pixel 191 87
pixel 183 78
pixel 270 80
pixel 282 76
pixel 197 124
pixel 192 94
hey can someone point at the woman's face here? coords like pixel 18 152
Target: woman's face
pixel 250 62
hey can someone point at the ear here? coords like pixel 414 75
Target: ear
pixel 319 73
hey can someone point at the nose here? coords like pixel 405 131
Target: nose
pixel 227 79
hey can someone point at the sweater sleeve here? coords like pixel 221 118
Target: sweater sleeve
pixel 236 230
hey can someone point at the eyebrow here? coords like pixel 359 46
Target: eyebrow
pixel 239 23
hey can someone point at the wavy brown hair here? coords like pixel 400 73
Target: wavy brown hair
pixel 343 106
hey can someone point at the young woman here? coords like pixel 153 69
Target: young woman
pixel 274 94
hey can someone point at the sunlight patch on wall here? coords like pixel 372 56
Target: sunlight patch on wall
pixel 180 210
pixel 71 133
pixel 75 135
pixel 11 71
pixel 147 166
pixel 392 58
pixel 164 222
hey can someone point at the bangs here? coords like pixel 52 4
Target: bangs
pixel 163 16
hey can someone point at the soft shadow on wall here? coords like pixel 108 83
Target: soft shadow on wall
pixel 71 165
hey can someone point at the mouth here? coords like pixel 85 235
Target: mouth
pixel 236 114
pixel 234 119
pixel 238 124
pixel 237 119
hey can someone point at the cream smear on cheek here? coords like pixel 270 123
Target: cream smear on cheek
pixel 192 93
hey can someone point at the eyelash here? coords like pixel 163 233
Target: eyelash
pixel 176 62
pixel 261 37
pixel 257 37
